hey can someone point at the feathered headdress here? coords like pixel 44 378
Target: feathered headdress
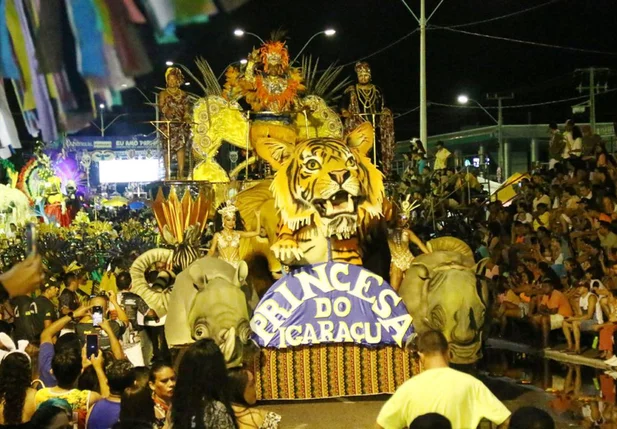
pixel 406 206
pixel 274 53
pixel 228 209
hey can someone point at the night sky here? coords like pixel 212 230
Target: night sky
pixel 456 63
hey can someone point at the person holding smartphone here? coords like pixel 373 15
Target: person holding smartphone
pixel 96 322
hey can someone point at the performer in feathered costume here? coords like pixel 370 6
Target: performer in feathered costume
pixel 399 239
pixel 227 242
pixel 271 86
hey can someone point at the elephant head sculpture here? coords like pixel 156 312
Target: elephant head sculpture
pixel 441 292
pixel 209 300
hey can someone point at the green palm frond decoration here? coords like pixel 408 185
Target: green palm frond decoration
pixel 323 83
pixel 278 35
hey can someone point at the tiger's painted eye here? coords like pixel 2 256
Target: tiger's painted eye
pixel 351 162
pixel 312 164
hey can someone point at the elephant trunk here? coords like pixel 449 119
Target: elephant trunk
pixel 464 331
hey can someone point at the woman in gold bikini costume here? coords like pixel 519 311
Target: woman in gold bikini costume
pixel 398 242
pixel 227 242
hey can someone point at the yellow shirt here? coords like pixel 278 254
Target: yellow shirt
pixel 441 157
pixel 79 400
pixel 544 218
pixel 461 398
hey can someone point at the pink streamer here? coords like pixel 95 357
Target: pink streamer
pixel 134 13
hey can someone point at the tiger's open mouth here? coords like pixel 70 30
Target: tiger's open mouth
pixel 340 203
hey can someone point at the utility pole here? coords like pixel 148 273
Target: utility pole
pixel 422 21
pixel 423 114
pixel 593 90
pixel 503 156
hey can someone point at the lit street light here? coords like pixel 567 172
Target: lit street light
pixel 101 106
pixel 238 32
pixel 463 99
pixel 329 32
pixel 169 63
pixel 243 61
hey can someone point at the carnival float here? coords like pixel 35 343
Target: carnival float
pixel 296 261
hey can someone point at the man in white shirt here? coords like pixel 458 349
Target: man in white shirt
pixel 540 197
pixel 461 398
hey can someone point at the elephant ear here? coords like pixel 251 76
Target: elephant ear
pixel 198 277
pixel 450 244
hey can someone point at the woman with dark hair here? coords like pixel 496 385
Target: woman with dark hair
pixel 16 396
pixel 244 397
pixel 53 414
pixel 106 412
pixel 574 140
pixel 162 383
pixel 136 405
pixel 201 398
pixel 603 158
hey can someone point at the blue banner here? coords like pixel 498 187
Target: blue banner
pixel 331 303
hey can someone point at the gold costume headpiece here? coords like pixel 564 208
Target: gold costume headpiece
pixel 229 209
pixel 362 67
pixel 175 71
pixel 274 53
pixel 406 207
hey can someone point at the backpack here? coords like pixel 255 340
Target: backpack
pixel 27 325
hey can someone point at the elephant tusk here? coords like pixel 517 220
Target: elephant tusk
pixel 229 343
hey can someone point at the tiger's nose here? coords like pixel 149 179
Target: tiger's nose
pixel 340 176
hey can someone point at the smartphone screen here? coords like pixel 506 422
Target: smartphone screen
pixel 92 345
pixel 31 239
pixel 97 315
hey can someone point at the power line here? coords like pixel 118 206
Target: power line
pixel 520 106
pixel 525 42
pixel 406 112
pixel 520 12
pixel 382 49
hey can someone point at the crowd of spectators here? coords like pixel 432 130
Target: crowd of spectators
pixel 550 257
pixel 551 250
pixel 51 378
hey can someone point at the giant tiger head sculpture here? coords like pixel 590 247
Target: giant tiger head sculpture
pixel 325 181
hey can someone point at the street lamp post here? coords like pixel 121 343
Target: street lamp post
pixel 463 99
pixel 102 128
pixel 503 152
pixel 328 32
pixel 422 21
pixel 423 113
pixel 238 32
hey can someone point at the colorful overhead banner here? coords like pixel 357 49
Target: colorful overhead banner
pixel 331 303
